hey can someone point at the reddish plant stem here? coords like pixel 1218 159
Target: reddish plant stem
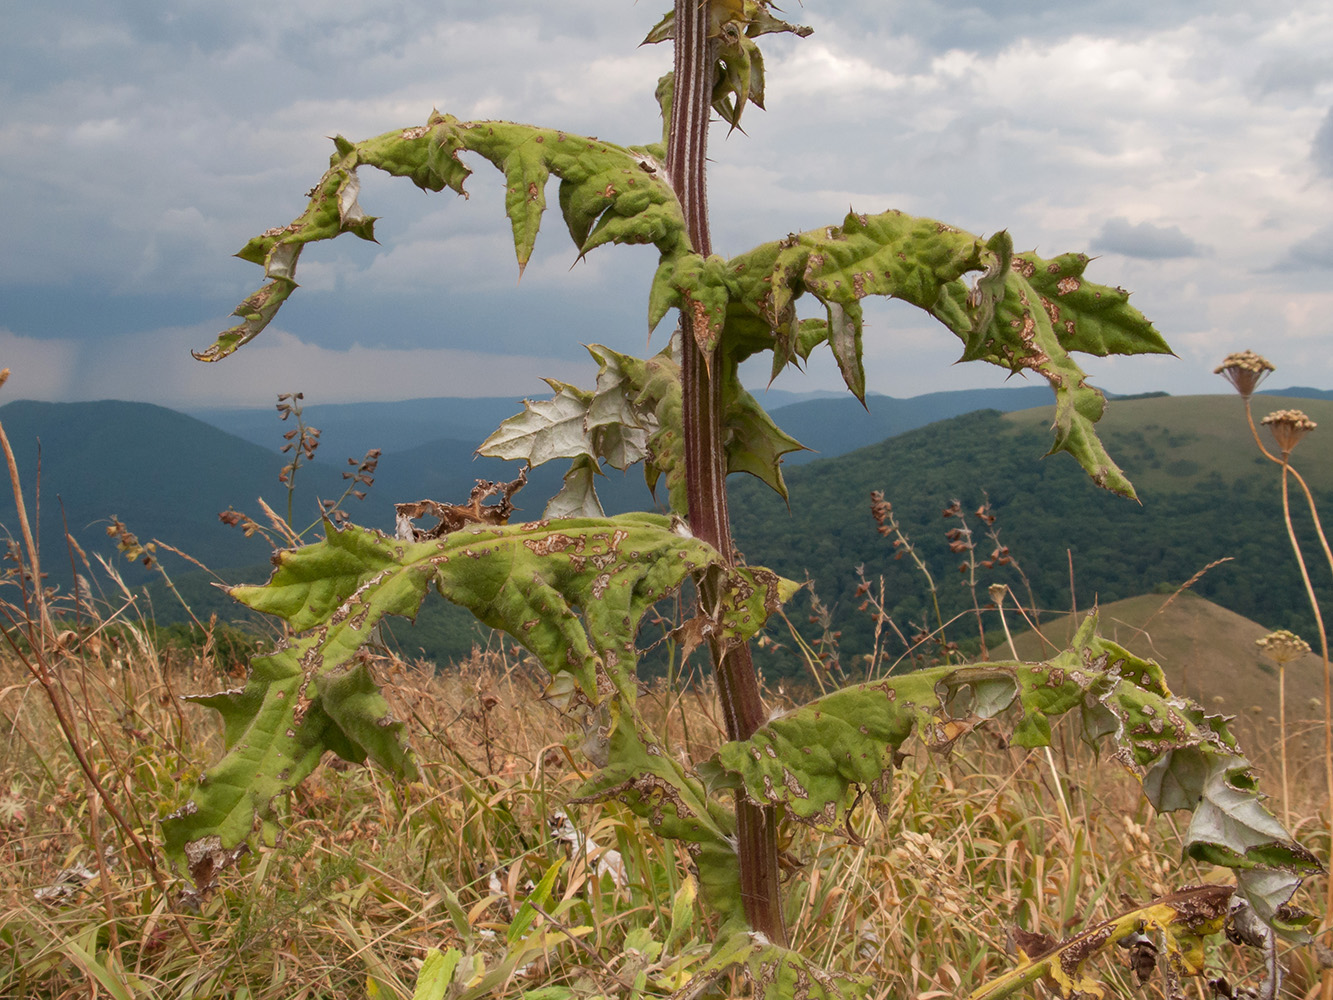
pixel 705 458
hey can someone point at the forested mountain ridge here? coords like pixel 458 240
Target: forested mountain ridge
pixel 1205 491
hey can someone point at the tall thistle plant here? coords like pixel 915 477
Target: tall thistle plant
pixel 573 586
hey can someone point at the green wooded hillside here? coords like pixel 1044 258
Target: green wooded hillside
pixel 1206 494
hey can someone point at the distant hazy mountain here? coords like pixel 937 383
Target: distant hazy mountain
pixel 164 474
pixel 1298 392
pixel 1206 493
pixel 402 425
pixel 829 423
pixel 355 428
pixel 839 424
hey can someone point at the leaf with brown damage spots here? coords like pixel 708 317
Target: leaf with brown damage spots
pixel 608 194
pixel 846 744
pixel 1180 922
pixel 572 591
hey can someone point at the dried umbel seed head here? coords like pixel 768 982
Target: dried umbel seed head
pixel 1288 427
pixel 1245 370
pixel 1282 646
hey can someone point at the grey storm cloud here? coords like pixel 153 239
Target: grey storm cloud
pixel 1145 240
pixel 142 143
pixel 1314 253
pixel 1322 149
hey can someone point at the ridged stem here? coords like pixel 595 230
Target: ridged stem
pixel 705 457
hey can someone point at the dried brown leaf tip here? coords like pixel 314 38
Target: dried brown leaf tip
pixel 1245 370
pixel 1282 646
pixel 455 517
pixel 1288 427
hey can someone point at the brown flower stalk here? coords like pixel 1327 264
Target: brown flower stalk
pixel 1282 647
pixel 1245 370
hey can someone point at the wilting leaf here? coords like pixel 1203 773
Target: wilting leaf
pixel 1023 313
pixel 1179 922
pixel 608 194
pixel 649 781
pixel 545 430
pixel 818 759
pixel 634 416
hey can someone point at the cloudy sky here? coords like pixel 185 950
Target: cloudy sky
pixel 142 142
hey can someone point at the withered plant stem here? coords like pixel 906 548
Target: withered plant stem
pixel 1287 470
pixel 43 674
pixel 705 456
pixel 34 557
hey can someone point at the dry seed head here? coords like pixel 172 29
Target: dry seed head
pixel 1282 646
pixel 1245 370
pixel 1288 427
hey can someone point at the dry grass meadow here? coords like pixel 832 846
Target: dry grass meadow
pixel 368 875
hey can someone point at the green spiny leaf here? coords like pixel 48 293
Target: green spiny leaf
pixel 425 154
pixel 525 196
pixel 1047 310
pixel 608 194
pixel 653 785
pixel 889 254
pixel 572 591
pixel 1088 317
pixel 1023 313
pixel 301 701
pixel 754 443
